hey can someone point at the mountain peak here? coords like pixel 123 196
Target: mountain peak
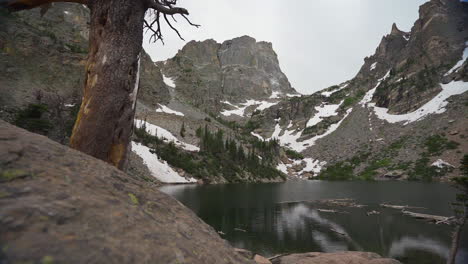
pixel 395 30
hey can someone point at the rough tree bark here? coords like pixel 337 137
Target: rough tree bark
pixel 456 238
pixel 105 121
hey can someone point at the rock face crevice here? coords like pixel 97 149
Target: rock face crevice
pixel 58 205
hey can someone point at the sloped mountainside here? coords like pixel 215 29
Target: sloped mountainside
pixel 402 116
pixel 58 205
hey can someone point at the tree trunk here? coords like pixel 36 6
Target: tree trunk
pixel 456 238
pixel 105 122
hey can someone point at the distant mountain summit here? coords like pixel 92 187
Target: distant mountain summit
pixel 215 76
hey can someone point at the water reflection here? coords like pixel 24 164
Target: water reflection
pixel 262 218
pixel 400 247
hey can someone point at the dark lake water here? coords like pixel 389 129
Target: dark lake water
pixel 277 218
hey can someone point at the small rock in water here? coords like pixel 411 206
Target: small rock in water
pixel 373 212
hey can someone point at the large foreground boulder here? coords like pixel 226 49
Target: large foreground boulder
pixel 58 205
pixel 349 257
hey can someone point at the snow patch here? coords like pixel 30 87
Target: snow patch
pixel 323 110
pixel 167 110
pixel 441 164
pixel 290 138
pixel 460 62
pixel 311 166
pixel 275 95
pixel 435 106
pixel 264 105
pixel 328 94
pixel 370 94
pixel 257 136
pixel 373 66
pixel 240 110
pixel 168 81
pixel 293 95
pixel 158 167
pixel 314 166
pixel 282 167
pixel 165 135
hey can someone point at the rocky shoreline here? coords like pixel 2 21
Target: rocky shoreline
pixel 58 205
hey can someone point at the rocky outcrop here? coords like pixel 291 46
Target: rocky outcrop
pixel 420 59
pixel 408 70
pixel 334 258
pixel 58 205
pixel 207 73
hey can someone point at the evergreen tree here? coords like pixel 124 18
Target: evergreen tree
pixel 182 130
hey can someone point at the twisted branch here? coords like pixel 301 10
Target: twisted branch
pixel 164 8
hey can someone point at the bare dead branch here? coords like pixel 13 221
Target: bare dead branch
pixel 173 28
pixel 190 22
pixel 164 8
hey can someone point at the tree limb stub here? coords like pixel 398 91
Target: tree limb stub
pixel 166 7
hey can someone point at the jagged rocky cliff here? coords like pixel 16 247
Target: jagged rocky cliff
pixel 239 73
pixel 403 115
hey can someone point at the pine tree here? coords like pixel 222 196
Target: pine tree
pixel 182 130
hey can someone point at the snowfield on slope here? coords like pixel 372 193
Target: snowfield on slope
pixel 328 94
pixel 290 138
pixel 165 135
pixel 460 62
pixel 169 81
pixel 311 166
pixel 324 110
pixel 167 110
pixel 158 168
pixel 435 106
pixel 240 110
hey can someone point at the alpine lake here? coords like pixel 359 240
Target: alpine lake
pixel 310 216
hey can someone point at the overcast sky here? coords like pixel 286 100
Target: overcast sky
pixel 319 42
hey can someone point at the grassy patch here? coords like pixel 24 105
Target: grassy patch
pixel 437 144
pixel 11 175
pixel 340 171
pixel 371 171
pixel 133 199
pixel 47 260
pixel 349 101
pixel 422 170
pixel 294 154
